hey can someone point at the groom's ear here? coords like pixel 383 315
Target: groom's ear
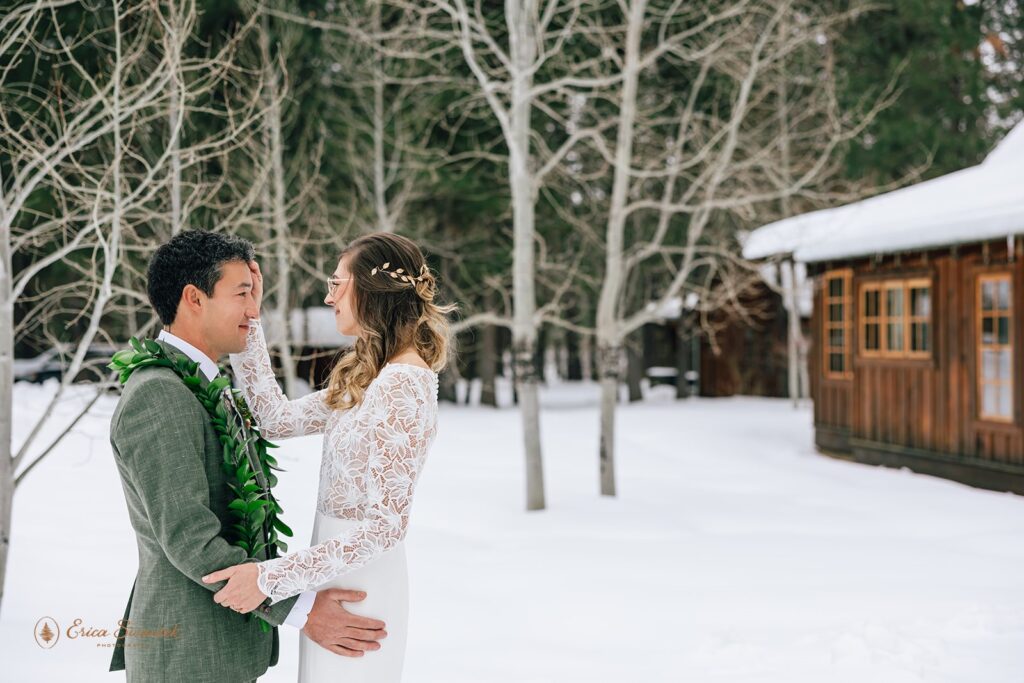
pixel 192 297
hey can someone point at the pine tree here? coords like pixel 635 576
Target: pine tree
pixel 952 91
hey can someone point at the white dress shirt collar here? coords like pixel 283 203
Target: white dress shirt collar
pixel 206 364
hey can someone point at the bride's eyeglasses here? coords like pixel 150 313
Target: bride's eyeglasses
pixel 332 284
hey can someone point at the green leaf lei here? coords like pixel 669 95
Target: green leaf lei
pixel 246 464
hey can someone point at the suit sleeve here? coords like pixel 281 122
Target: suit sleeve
pixel 160 438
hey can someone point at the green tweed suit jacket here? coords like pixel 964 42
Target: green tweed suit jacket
pixel 169 459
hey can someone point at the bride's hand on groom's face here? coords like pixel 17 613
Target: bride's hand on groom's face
pixel 241 593
pixel 257 284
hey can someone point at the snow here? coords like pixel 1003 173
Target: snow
pixel 977 203
pixel 732 553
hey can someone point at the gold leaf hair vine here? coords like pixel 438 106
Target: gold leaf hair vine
pixel 400 274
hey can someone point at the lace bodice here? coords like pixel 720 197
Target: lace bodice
pixel 372 456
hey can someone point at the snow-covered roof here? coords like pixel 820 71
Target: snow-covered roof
pixel 977 203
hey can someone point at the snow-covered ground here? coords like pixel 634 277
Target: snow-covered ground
pixel 732 553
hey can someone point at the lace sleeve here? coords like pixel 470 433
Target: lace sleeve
pixel 278 417
pixel 395 437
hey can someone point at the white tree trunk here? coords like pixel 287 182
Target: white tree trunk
pixel 385 221
pixel 608 361
pixel 6 389
pixel 794 337
pixel 609 333
pixel 174 123
pixel 279 217
pixel 805 377
pixel 519 16
pixel 793 340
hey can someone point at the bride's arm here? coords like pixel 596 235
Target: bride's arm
pixel 276 415
pixel 394 438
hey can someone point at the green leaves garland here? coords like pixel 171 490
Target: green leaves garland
pixel 246 463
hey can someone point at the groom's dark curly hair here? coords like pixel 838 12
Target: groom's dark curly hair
pixel 192 257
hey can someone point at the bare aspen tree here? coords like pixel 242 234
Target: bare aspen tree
pixel 384 72
pixel 271 186
pixel 794 336
pixel 44 143
pixel 275 198
pixel 511 58
pixel 386 75
pixel 86 161
pixel 683 160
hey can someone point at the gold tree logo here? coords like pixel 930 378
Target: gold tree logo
pixel 47 633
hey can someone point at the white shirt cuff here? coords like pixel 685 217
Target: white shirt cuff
pixel 301 609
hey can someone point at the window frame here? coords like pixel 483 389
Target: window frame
pixel 863 320
pixel 846 324
pixel 912 284
pixel 981 346
pixel 883 319
pixel 894 286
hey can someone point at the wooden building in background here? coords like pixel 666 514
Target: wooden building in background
pixel 749 356
pixel 917 322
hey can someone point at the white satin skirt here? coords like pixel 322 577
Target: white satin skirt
pixel 386 582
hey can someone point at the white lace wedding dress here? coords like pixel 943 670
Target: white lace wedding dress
pixel 372 456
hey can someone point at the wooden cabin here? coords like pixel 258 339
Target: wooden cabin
pixel 919 362
pixel 748 355
pixel 918 324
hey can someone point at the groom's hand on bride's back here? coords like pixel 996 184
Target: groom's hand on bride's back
pixel 333 627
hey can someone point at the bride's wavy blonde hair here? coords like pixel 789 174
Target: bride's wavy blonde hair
pixel 395 308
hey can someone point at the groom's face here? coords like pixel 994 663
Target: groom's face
pixel 224 320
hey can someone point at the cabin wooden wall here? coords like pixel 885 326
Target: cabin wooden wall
pixel 750 355
pixel 924 408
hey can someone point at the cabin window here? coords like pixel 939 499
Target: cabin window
pixel 895 318
pixel 871 320
pixel 919 318
pixel 838 319
pixel 995 348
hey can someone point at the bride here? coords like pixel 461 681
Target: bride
pixel 378 415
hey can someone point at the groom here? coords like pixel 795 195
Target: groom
pixel 170 462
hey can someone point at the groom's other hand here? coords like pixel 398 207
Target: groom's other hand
pixel 333 627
